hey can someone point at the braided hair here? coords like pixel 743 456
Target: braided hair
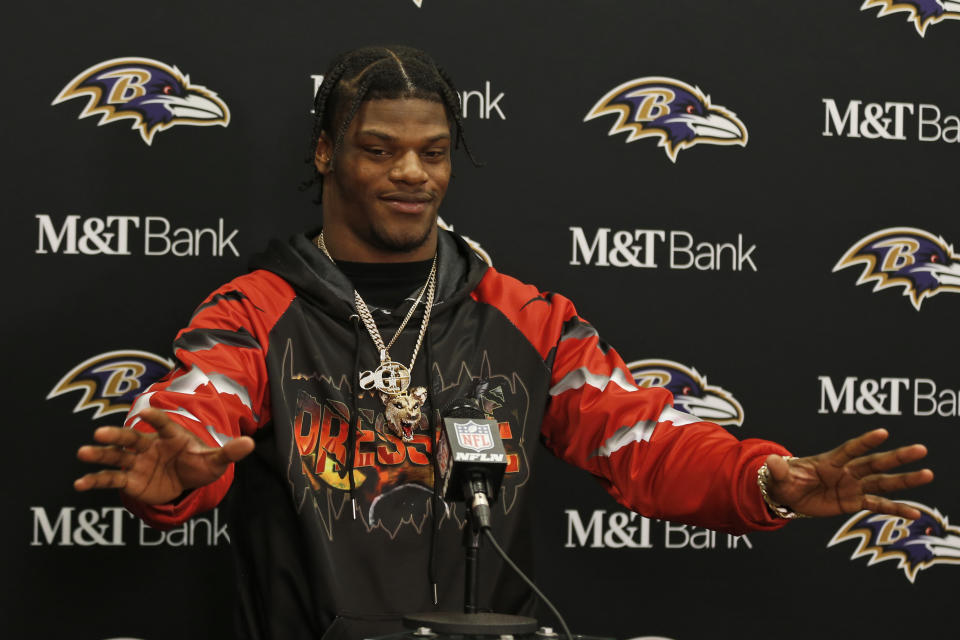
pixel 379 73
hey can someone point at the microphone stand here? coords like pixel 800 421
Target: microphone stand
pixel 474 487
pixel 479 519
pixel 472 621
pixel 471 544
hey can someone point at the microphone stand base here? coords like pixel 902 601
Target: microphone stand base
pixel 471 623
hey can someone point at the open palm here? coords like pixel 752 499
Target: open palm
pixel 158 467
pixel 847 479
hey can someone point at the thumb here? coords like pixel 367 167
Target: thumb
pixel 778 466
pixel 235 450
pixel 163 424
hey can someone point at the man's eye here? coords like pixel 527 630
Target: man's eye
pixel 376 151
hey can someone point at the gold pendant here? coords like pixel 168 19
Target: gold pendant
pixel 403 411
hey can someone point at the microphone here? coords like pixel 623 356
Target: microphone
pixel 470 456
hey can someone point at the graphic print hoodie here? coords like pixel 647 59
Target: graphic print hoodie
pixel 335 524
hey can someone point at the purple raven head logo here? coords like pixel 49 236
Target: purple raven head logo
pixel 673 111
pixel 920 262
pixel 111 381
pixel 152 94
pixel 691 393
pixel 915 544
pixel 922 13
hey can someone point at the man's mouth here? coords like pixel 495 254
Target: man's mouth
pixel 408 202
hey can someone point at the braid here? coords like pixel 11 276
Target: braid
pixel 320 102
pixel 455 107
pixel 359 95
pixel 372 73
pixel 319 112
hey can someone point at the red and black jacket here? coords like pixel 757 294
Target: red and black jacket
pixel 274 355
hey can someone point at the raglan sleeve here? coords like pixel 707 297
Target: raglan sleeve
pixel 219 388
pixel 652 458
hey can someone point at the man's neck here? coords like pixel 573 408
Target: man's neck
pixel 344 245
pixel 386 285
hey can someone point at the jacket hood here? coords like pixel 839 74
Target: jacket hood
pixel 315 278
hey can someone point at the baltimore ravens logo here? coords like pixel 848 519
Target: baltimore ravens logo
pixel 111 381
pixel 152 94
pixel 673 111
pixel 922 13
pixel 914 544
pixel 920 262
pixel 691 393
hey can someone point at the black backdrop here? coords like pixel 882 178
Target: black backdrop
pixel 811 357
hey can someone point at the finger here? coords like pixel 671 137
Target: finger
pixel 123 437
pixel 106 479
pixel 884 483
pixel 115 456
pixel 882 505
pixel 109 435
pixel 880 462
pixel 856 447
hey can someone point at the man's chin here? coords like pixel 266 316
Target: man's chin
pixel 400 245
pixel 398 241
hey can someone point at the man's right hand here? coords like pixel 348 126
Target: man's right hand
pixel 156 468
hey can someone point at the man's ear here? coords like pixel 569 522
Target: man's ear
pixel 323 154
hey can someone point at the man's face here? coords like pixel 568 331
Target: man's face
pixel 382 191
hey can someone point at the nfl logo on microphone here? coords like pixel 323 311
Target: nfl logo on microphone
pixel 471 435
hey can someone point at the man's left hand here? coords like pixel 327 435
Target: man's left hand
pixel 847 479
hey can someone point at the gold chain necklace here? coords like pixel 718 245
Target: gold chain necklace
pixel 391 378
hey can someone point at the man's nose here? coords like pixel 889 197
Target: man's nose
pixel 409 168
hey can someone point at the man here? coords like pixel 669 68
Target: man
pixel 323 374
